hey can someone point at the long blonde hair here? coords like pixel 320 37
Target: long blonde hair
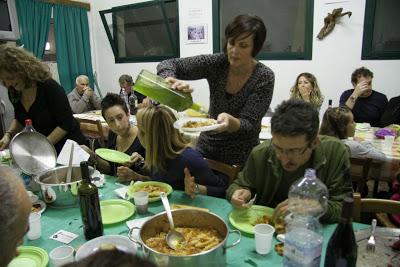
pixel 316 97
pixel 159 137
pixel 23 65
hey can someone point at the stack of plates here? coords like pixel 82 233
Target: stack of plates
pixel 30 257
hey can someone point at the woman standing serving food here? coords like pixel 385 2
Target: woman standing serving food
pixel 36 96
pixel 240 89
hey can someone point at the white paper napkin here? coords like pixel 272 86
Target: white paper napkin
pixel 121 192
pixel 79 154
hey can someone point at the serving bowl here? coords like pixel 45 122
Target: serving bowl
pixel 216 256
pixel 55 191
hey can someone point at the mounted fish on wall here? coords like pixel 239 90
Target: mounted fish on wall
pixel 330 22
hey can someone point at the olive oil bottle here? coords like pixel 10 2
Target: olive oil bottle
pixel 90 205
pixel 155 87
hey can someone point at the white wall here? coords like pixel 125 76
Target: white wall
pixel 333 59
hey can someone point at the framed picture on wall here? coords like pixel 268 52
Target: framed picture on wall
pixel 196 34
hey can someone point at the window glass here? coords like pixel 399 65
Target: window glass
pixel 381 32
pixel 288 22
pixel 144 32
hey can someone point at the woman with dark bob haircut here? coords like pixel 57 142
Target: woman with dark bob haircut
pixel 240 89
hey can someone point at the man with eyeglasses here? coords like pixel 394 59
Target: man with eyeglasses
pixel 275 164
pixel 366 104
pixel 15 209
pixel 82 98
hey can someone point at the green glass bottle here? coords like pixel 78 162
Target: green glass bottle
pixel 90 205
pixel 155 87
pixel 342 246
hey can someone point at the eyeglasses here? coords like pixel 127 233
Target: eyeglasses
pixel 292 152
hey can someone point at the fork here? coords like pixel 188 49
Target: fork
pixel 371 240
pixel 251 202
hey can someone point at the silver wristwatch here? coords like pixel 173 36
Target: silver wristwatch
pixel 196 188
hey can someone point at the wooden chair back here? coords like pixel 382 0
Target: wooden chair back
pixel 373 205
pixel 359 172
pixel 93 129
pixel 230 170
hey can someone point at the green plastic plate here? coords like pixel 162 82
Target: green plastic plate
pixel 116 210
pixel 138 186
pixel 112 155
pixel 30 257
pixel 243 220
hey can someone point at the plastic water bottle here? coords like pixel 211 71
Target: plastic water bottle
pixel 133 101
pixel 28 126
pixel 124 96
pixel 308 199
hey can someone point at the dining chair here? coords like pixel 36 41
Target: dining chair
pixel 93 130
pixel 378 165
pixel 359 172
pixel 374 205
pixel 230 170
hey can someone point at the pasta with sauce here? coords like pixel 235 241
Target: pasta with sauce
pixel 197 240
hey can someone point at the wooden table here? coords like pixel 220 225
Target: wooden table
pixel 387 170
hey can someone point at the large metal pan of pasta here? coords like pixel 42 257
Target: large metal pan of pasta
pixel 205 241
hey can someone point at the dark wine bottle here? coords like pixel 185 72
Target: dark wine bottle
pixel 90 205
pixel 342 247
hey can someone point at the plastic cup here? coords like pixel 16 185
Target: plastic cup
pixel 263 235
pixel 35 226
pixel 389 140
pixel 141 200
pixel 62 255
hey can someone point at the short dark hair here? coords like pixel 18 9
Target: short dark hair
pixel 295 117
pixel 361 72
pixel 246 24
pixel 111 258
pixel 125 78
pixel 111 100
pixel 335 121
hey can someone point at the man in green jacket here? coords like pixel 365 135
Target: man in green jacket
pixel 274 165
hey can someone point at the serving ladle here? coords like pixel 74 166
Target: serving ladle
pixel 174 238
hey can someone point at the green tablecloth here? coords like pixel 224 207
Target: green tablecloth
pixel 242 254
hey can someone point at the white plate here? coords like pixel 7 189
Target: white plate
pixel 363 126
pixel 120 242
pixel 179 125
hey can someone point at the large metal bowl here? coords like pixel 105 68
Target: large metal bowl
pixel 32 152
pixel 55 191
